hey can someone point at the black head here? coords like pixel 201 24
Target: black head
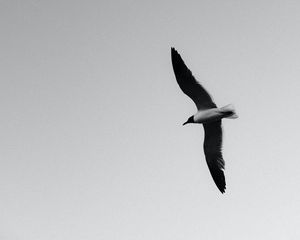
pixel 190 120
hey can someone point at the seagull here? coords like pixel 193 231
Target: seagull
pixel 208 114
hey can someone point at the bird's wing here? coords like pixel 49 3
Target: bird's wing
pixel 189 84
pixel 213 153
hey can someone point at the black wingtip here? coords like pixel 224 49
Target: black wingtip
pixel 221 187
pixel 218 177
pixel 173 51
pixel 176 60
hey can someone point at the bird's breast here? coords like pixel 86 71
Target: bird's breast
pixel 209 115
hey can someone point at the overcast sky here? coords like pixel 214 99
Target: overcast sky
pixel 92 142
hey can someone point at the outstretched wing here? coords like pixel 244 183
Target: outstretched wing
pixel 189 84
pixel 213 153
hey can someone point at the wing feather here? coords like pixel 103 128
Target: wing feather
pixel 213 153
pixel 189 84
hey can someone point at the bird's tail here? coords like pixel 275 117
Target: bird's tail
pixel 229 111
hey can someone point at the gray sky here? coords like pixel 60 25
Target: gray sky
pixel 92 143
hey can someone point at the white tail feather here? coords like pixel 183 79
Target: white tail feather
pixel 229 108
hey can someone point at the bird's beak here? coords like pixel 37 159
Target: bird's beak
pixel 185 123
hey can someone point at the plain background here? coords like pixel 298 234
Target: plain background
pixel 92 143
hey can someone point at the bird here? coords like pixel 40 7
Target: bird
pixel 208 114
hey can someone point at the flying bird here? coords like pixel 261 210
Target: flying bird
pixel 208 114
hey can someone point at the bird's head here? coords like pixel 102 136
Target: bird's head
pixel 190 120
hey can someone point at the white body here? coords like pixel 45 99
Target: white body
pixel 215 114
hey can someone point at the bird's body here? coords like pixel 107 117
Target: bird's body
pixel 208 114
pixel 214 114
